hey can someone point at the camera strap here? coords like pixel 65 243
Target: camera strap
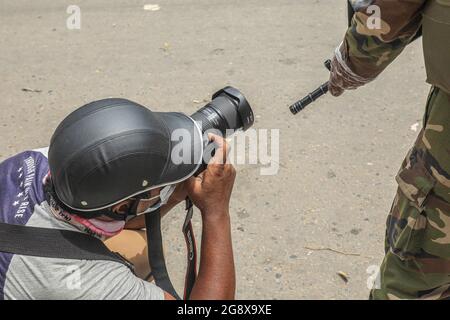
pixel 156 255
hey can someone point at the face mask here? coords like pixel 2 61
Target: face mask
pixel 104 229
pixel 163 196
pixel 98 228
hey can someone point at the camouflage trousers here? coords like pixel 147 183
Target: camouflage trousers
pixel 417 260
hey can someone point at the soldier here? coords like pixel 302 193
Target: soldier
pixel 417 260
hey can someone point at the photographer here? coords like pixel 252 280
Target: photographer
pixel 97 154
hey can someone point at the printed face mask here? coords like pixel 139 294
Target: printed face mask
pixel 96 227
pixel 104 229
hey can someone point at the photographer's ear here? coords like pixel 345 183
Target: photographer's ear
pixel 122 208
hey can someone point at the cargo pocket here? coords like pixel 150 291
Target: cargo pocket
pixel 407 222
pixel 437 235
pixel 414 179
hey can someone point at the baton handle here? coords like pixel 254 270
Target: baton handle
pixel 310 98
pixel 313 96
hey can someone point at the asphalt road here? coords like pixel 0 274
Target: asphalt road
pixel 337 160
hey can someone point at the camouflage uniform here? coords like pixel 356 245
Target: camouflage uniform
pixel 417 261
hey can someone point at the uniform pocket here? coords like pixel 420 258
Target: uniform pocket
pixel 407 221
pixel 437 236
pixel 405 228
pixel 414 179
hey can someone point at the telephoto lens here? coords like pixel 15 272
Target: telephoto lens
pixel 228 110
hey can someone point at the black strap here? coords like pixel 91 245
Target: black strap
pixel 156 256
pixel 155 252
pixel 54 243
pixel 191 247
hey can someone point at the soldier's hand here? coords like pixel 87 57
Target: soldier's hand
pixel 335 84
pixel 341 75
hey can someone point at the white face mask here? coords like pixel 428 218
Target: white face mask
pixel 163 196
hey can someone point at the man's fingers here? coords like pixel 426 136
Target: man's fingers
pixel 221 151
pixel 217 139
pixel 193 185
pixel 201 175
pixel 335 91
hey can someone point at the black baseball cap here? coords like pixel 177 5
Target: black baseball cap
pixel 112 149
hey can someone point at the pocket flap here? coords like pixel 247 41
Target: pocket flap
pixel 414 179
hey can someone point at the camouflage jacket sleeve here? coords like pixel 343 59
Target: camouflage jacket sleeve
pixel 370 45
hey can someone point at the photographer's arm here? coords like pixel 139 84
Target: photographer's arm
pixel 211 193
pixel 216 277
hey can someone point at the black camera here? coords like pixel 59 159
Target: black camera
pixel 228 110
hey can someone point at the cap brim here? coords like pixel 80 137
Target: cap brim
pixel 186 147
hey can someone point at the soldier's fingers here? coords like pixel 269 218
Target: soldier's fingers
pixel 334 90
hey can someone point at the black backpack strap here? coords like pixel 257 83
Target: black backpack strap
pixel 156 256
pixel 55 243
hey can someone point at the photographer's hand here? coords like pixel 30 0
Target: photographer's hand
pixel 211 192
